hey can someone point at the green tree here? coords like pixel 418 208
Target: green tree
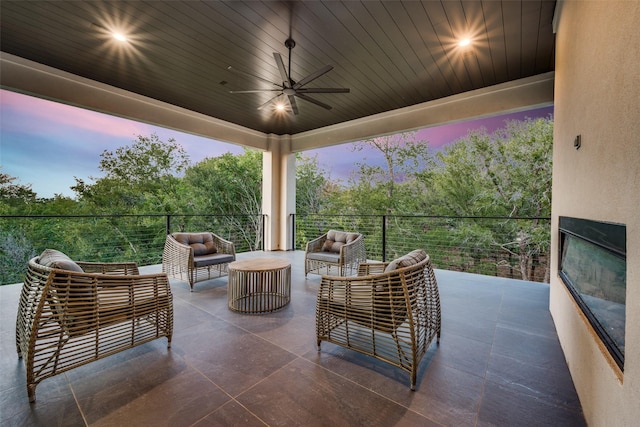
pixel 139 178
pixel 313 186
pixel 230 184
pixel 383 188
pixel 506 174
pixel 13 194
pixel 15 247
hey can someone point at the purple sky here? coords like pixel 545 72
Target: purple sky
pixel 339 160
pixel 46 144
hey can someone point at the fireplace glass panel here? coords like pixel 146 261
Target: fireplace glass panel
pixel 596 277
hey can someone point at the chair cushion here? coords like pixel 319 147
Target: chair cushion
pixel 202 243
pixel 412 258
pixel 55 259
pixel 324 256
pixel 212 259
pixel 337 239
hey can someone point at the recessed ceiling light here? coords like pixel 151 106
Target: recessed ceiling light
pixel 464 42
pixel 119 37
pixel 280 107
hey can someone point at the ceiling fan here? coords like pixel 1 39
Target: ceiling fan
pixel 290 89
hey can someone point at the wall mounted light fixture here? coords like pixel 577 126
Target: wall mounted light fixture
pixel 577 142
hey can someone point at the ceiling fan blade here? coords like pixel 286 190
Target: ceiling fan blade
pixel 269 102
pixel 255 91
pixel 243 73
pixel 283 71
pixel 323 90
pixel 313 101
pixel 313 76
pixel 293 104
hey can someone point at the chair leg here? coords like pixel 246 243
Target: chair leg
pixel 31 391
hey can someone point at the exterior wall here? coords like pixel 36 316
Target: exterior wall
pixel 597 96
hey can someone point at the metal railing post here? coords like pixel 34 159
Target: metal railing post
pixel 384 238
pixel 264 220
pixel 168 224
pixel 293 232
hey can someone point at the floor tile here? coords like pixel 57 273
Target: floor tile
pixel 498 363
pixel 502 406
pixel 305 394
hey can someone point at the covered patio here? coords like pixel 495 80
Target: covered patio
pixel 503 349
pixel 499 362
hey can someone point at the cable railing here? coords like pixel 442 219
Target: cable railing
pixel 112 238
pixel 496 246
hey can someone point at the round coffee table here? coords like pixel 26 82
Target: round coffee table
pixel 259 285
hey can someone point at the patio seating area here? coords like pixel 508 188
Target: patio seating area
pixel 499 362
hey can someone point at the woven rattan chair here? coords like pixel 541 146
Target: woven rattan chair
pixel 389 311
pixel 195 257
pixel 335 252
pixel 72 313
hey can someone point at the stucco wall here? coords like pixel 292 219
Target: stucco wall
pixel 597 95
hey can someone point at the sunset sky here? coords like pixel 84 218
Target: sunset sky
pixel 46 144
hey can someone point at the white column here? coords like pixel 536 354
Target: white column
pixel 278 192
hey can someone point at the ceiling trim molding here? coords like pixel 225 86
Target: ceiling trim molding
pixel 31 78
pixel 21 75
pixel 518 95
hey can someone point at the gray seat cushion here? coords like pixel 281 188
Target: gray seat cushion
pixel 324 256
pixel 212 259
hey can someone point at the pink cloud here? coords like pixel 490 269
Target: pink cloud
pixel 51 115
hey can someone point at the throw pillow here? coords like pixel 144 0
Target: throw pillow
pixel 55 259
pixel 412 258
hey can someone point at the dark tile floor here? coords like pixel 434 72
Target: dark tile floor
pixel 499 363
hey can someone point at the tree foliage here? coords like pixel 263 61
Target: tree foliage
pixel 382 187
pixel 229 184
pixel 506 174
pixel 141 177
pixel 14 194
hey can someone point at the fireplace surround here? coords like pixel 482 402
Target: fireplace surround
pixel 593 268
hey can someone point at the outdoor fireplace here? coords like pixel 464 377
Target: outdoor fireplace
pixel 593 267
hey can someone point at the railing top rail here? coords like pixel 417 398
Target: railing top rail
pixel 120 215
pixel 426 216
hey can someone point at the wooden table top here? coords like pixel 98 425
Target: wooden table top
pixel 259 264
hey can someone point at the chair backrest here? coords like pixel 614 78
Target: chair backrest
pixel 337 239
pixel 202 243
pixel 400 290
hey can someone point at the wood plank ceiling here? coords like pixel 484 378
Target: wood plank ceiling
pixel 391 54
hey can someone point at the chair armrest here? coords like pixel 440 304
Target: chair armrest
pixel 376 300
pixel 367 268
pixel 112 268
pixel 130 290
pixel 176 254
pixel 82 301
pixel 223 246
pixel 353 252
pixel 316 244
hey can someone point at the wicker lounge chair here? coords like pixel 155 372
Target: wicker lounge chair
pixel 195 257
pixel 389 311
pixel 72 313
pixel 337 252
